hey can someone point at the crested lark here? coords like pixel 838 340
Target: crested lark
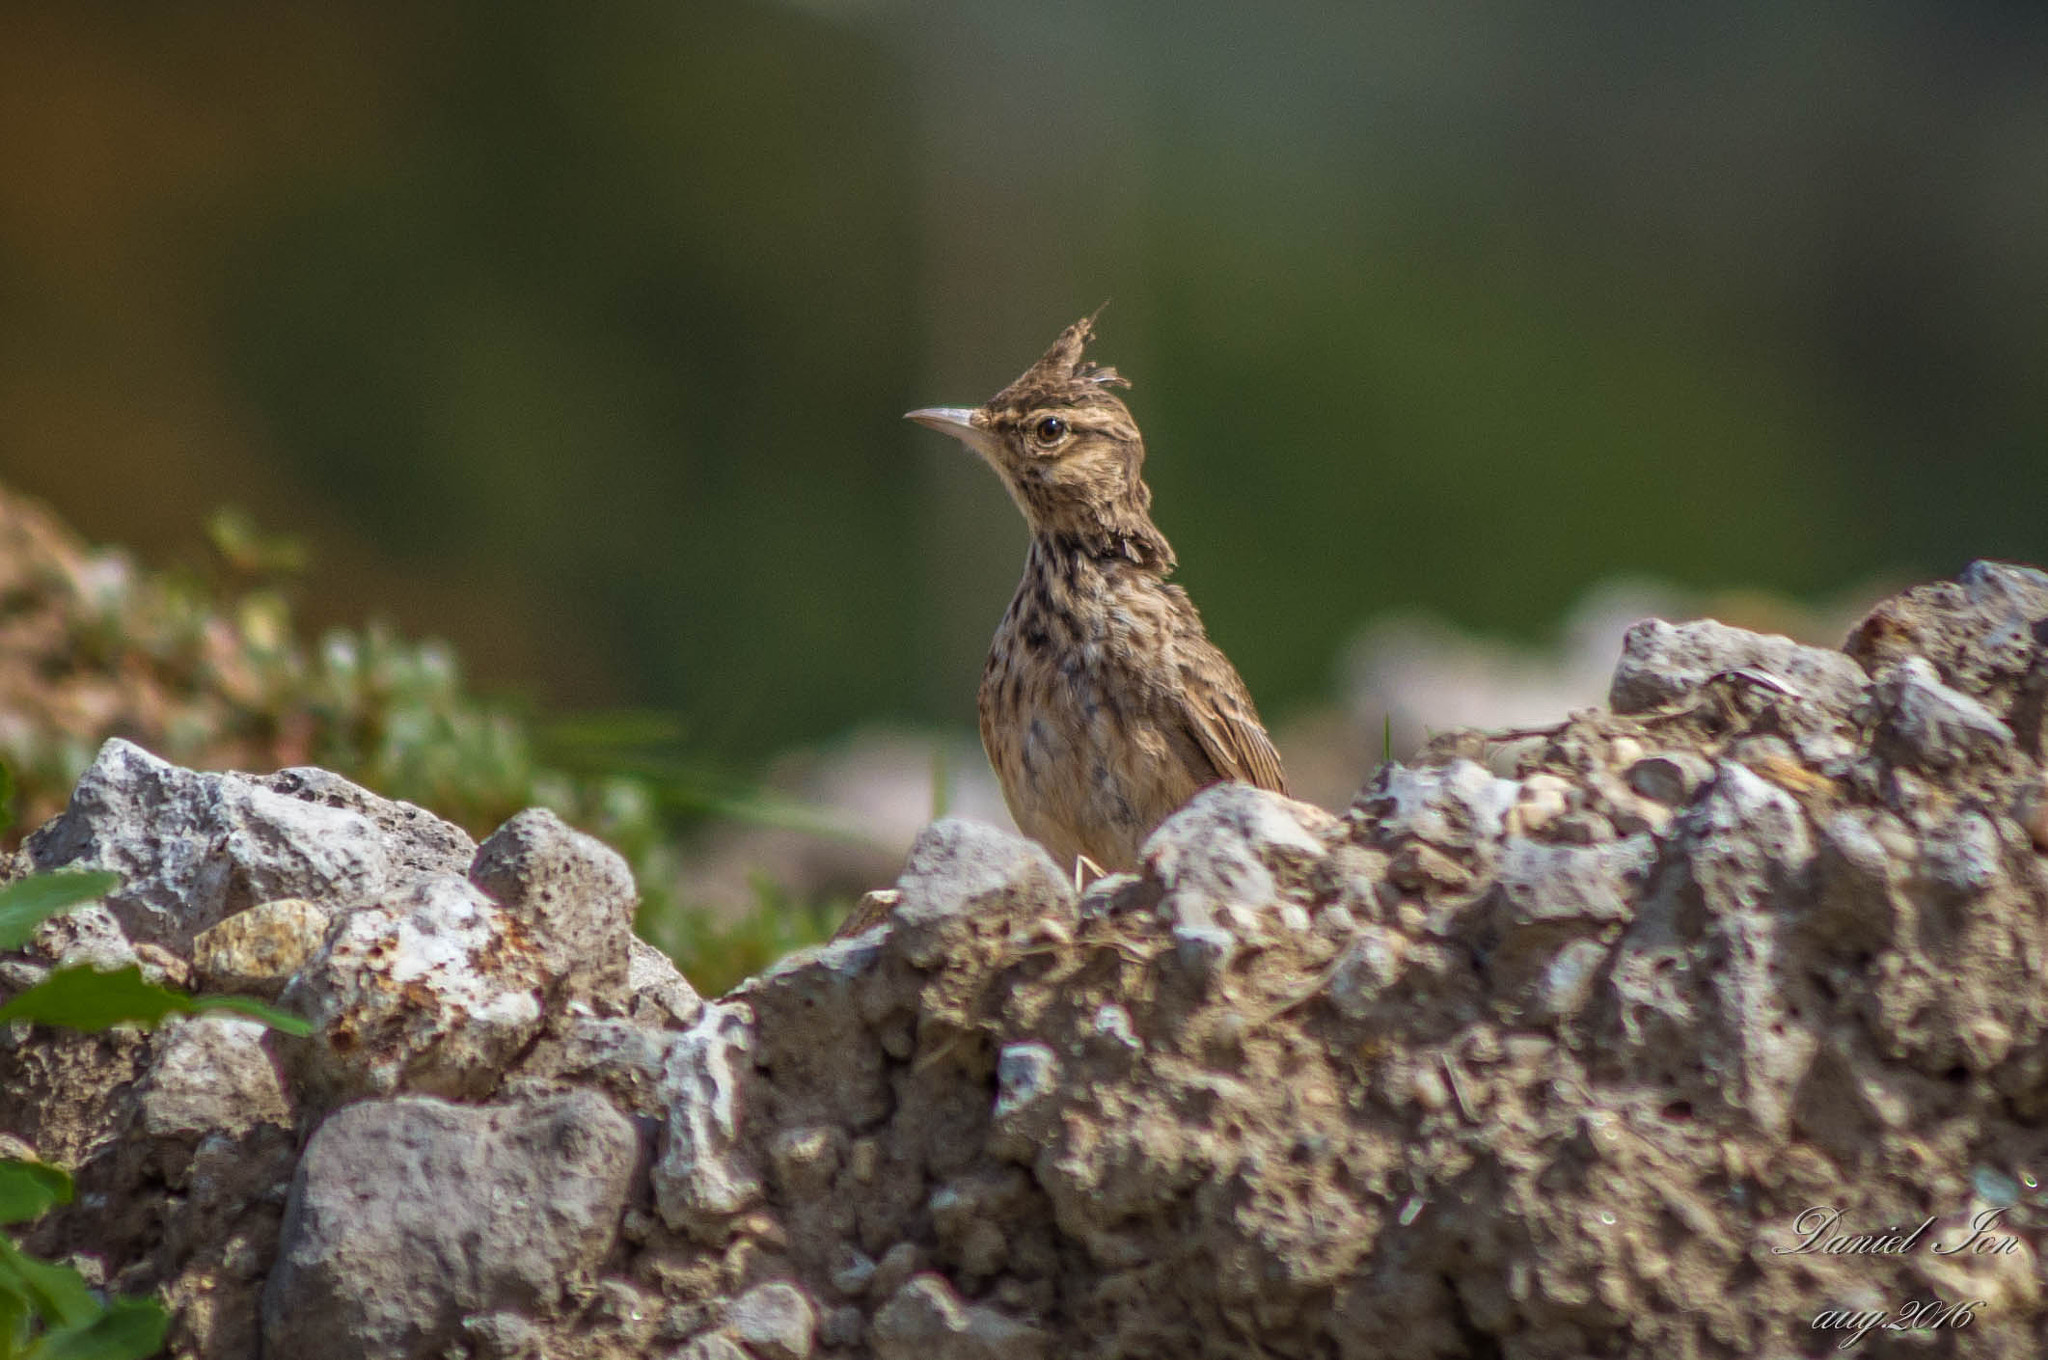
pixel 1104 705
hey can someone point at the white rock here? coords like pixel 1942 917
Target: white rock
pixel 774 1321
pixel 927 1320
pixel 193 849
pixel 431 990
pixel 703 1177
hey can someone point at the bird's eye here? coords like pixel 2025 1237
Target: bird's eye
pixel 1050 430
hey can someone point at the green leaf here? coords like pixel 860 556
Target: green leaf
pixel 28 1189
pixel 26 904
pixel 284 1022
pixel 130 1329
pixel 57 1294
pixel 14 1320
pixel 83 998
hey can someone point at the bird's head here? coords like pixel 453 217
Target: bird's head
pixel 1067 449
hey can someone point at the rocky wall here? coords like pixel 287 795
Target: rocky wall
pixel 1706 1032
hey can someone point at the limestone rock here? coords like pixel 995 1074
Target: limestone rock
pixel 962 874
pixel 774 1321
pixel 705 1176
pixel 1662 662
pixel 255 952
pixel 193 849
pixel 573 894
pixel 1978 632
pixel 408 1214
pixel 1226 846
pixel 926 1320
pixel 430 990
pixel 804 1004
pixel 712 1346
pixel 1925 723
pixel 657 994
pixel 1453 807
pixel 212 1074
pixel 1542 1064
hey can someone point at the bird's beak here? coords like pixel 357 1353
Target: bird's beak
pixel 962 422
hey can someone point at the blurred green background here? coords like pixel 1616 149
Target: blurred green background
pixel 580 335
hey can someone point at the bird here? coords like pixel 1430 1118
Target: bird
pixel 1104 705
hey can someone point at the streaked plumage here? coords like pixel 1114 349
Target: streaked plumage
pixel 1104 705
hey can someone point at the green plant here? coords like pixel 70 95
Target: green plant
pixel 85 998
pixel 47 1310
pixel 210 668
pixel 716 954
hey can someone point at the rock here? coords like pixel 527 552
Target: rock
pixel 1739 1017
pixel 961 875
pixel 1540 803
pixel 2030 810
pixel 805 1004
pixel 1540 882
pixel 712 1346
pixel 870 911
pixel 705 1177
pixel 628 1062
pixel 408 1214
pixel 418 843
pixel 1113 1024
pixel 660 995
pixel 87 936
pixel 1369 966
pixel 806 1159
pixel 1454 807
pixel 430 990
pixel 1112 893
pixel 1747 842
pixel 504 1336
pixel 573 893
pixel 1670 777
pixel 894 1270
pixel 1532 1066
pixel 255 952
pixel 1203 950
pixel 1568 979
pixel 1418 866
pixel 843 1326
pixel 1028 1102
pixel 1977 631
pixel 774 1321
pixel 212 1075
pixel 927 1320
pixel 1926 724
pixel 1226 846
pixel 193 849
pixel 850 1276
pixel 1857 905
pixel 1663 662
pixel 1025 1073
pixel 967 1214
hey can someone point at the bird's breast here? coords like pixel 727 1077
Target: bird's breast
pixel 1084 763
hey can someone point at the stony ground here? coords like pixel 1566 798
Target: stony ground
pixel 1671 1044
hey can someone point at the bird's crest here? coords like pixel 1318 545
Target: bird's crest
pixel 1062 371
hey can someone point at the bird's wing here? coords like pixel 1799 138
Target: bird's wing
pixel 1218 711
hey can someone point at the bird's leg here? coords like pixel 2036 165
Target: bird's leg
pixel 1083 862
